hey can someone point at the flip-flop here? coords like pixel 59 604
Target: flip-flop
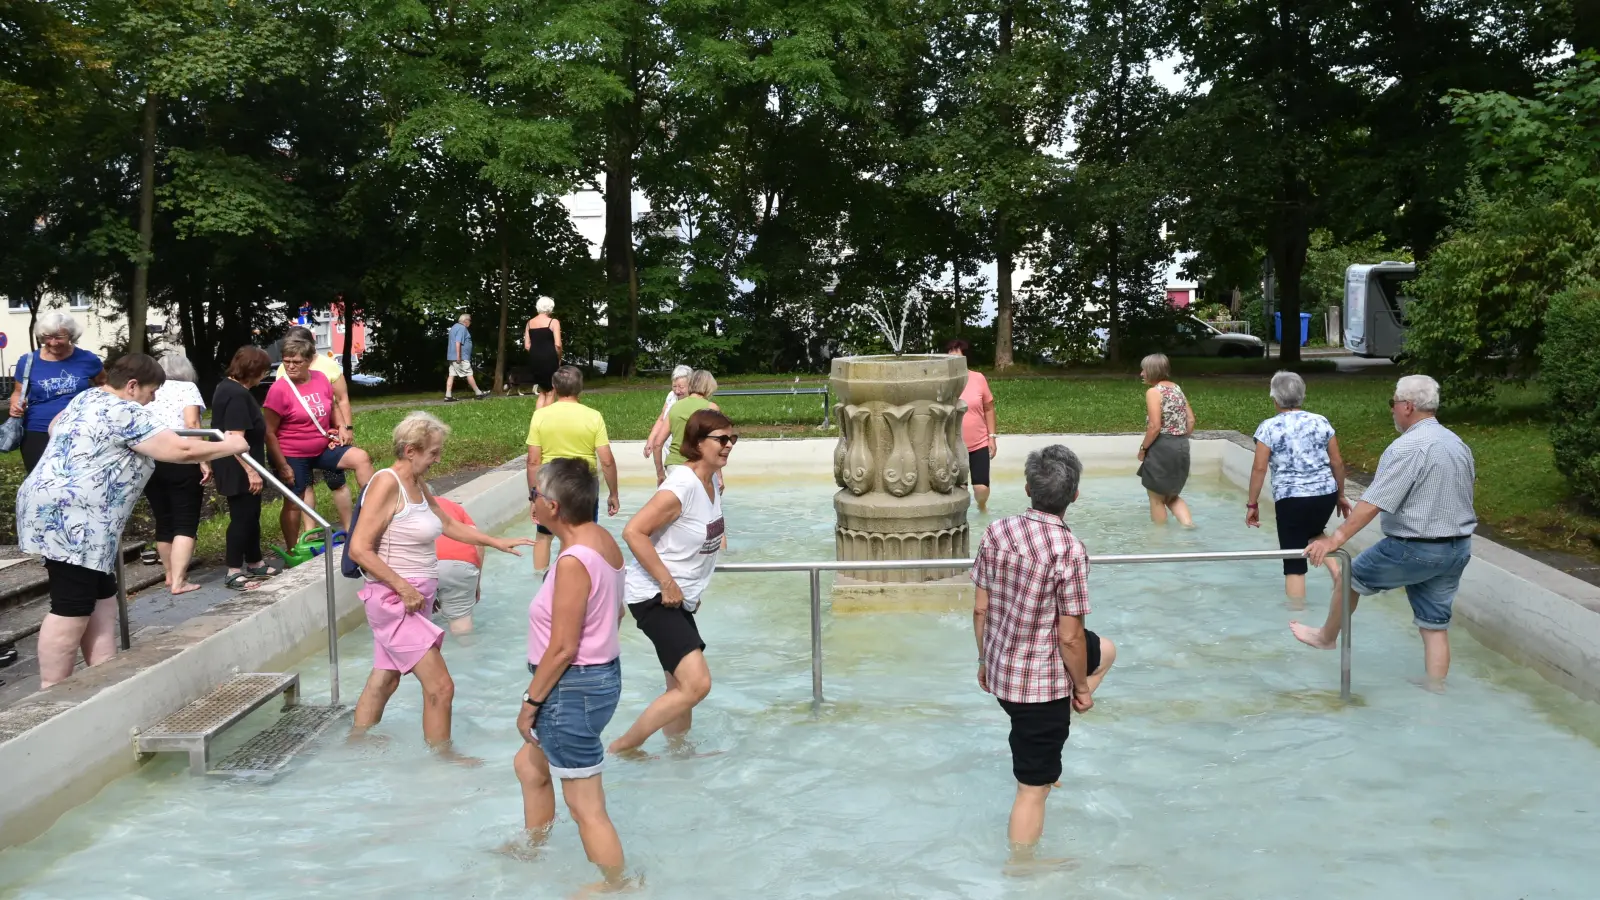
pixel 239 581
pixel 150 556
pixel 265 570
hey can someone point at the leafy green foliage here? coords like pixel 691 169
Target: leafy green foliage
pixel 1570 374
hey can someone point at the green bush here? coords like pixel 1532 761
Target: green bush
pixel 1570 373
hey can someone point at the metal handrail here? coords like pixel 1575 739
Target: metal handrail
pixel 216 434
pixel 815 569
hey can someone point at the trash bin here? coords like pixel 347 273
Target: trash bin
pixel 1305 328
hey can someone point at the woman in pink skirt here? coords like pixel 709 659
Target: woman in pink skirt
pixel 394 545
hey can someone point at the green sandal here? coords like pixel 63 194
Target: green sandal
pixel 241 581
pixel 265 570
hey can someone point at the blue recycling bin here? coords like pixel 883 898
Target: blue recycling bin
pixel 1305 328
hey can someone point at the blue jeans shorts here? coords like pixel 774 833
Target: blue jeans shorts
pixel 1430 573
pixel 569 724
pixel 327 462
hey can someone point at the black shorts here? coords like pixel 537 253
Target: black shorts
pixel 1039 730
pixel 1300 519
pixel 978 464
pixel 74 590
pixel 175 498
pixel 670 628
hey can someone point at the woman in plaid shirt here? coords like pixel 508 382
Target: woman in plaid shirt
pixel 1034 655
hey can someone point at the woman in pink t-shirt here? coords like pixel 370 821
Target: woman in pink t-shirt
pixel 573 656
pixel 977 426
pixel 301 438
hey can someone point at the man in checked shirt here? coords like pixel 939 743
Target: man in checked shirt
pixel 1034 655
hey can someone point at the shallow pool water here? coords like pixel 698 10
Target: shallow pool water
pixel 1217 763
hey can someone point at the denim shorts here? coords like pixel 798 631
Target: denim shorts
pixel 1430 572
pixel 327 462
pixel 569 724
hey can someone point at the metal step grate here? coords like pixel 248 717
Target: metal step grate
pixel 192 729
pixel 274 747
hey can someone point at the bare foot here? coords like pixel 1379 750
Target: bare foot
pixel 613 884
pixel 1295 604
pixel 1311 637
pixel 632 754
pixel 184 588
pixel 450 755
pixel 1431 685
pixel 525 847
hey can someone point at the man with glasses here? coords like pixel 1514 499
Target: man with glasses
pixel 1423 491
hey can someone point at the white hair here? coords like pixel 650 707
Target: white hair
pixel 1288 390
pixel 178 367
pixel 1419 391
pixel 57 322
pixel 682 372
pixel 545 306
pixel 463 318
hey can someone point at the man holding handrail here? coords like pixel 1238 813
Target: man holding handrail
pixel 1423 489
pixel 1034 654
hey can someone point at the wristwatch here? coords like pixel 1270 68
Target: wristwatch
pixel 530 701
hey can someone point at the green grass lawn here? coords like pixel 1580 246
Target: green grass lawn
pixel 1519 493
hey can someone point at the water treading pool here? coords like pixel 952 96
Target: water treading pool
pixel 1217 763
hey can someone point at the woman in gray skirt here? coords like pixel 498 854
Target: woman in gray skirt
pixel 1164 452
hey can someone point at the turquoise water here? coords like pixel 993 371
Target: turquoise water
pixel 1217 763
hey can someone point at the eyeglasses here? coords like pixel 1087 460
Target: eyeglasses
pixel 1394 402
pixel 726 440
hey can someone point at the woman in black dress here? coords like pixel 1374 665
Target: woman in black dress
pixel 234 409
pixel 542 339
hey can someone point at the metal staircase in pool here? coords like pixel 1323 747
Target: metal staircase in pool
pixel 194 728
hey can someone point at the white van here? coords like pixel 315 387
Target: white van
pixel 1375 308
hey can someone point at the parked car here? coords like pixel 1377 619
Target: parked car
pixel 1195 337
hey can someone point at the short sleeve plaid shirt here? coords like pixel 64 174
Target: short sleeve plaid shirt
pixel 1035 571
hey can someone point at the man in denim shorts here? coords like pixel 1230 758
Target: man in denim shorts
pixel 1423 489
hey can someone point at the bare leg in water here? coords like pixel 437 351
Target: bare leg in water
pixel 1326 637
pixel 438 695
pixel 673 711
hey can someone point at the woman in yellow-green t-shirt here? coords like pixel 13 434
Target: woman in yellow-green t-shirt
pixel 702 385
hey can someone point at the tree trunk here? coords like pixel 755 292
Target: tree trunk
pixel 505 300
pixel 1114 282
pixel 349 331
pixel 140 301
pixel 622 293
pixel 1002 238
pixel 1289 246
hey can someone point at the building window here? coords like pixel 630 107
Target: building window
pixel 17 304
pixel 80 301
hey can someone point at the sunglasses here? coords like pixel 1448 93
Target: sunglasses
pixel 726 440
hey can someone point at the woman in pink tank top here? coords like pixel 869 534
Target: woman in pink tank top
pixel 394 545
pixel 573 660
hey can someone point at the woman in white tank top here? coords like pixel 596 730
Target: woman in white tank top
pixel 394 545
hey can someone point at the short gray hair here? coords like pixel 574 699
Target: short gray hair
pixel 571 485
pixel 463 318
pixel 1288 390
pixel 1419 391
pixel 545 306
pixel 1053 474
pixel 567 381
pixel 57 322
pixel 682 371
pixel 298 347
pixel 178 367
pixel 703 383
pixel 415 430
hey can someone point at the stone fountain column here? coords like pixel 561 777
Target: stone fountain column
pixel 901 466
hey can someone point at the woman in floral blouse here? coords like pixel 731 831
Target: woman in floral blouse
pixel 72 507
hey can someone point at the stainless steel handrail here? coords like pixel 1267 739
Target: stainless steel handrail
pixel 327 558
pixel 815 570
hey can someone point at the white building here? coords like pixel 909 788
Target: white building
pixel 99 333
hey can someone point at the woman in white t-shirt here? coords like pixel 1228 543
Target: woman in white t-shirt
pixel 174 492
pixel 676 539
pixel 661 432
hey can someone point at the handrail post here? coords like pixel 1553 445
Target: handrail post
pixel 827 407
pixel 122 600
pixel 1347 602
pixel 816 638
pixel 333 615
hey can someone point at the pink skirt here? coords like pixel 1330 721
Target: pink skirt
pixel 400 639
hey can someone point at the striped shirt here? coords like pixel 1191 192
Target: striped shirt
pixel 1424 484
pixel 1035 571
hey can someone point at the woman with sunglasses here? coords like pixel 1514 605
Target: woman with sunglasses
pixel 676 539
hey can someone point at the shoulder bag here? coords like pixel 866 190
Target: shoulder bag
pixel 11 430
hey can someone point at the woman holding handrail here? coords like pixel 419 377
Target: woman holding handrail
pixel 1164 450
pixel 574 660
pixel 235 410
pixel 676 539
pixel 72 508
pixel 1302 453
pixel 394 546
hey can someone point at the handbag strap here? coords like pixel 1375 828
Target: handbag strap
pixel 27 376
pixel 307 407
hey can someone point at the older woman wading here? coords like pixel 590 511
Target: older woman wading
pixel 675 541
pixel 394 546
pixel 1164 451
pixel 71 509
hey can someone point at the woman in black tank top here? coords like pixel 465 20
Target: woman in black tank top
pixel 542 339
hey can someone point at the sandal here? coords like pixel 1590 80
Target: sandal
pixel 241 581
pixel 150 556
pixel 265 570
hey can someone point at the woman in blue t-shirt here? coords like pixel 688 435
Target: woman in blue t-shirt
pixel 60 371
